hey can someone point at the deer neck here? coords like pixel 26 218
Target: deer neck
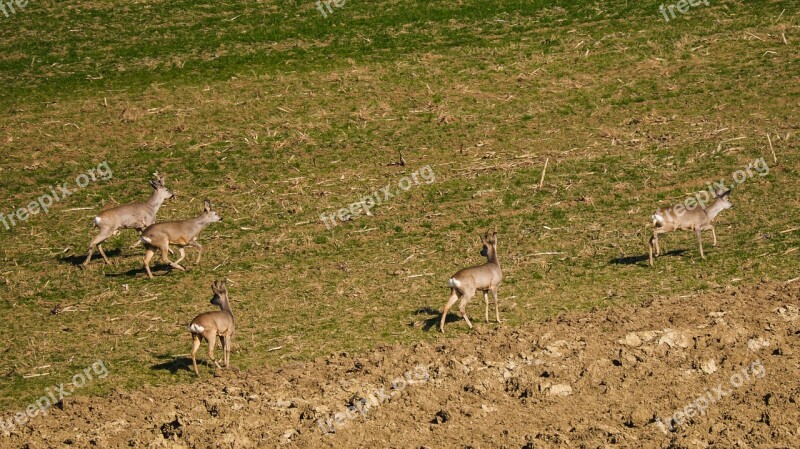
pixel 155 201
pixel 200 222
pixel 714 209
pixel 491 256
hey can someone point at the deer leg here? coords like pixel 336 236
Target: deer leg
pixel 199 247
pixel 147 257
pixel 195 347
pixel 88 257
pixel 496 308
pixel 182 253
pixel 654 243
pixel 100 238
pixel 227 351
pixel 229 341
pixel 462 306
pixel 103 253
pixel 212 341
pixel 658 245
pixel 138 241
pixel 165 257
pixel 699 233
pixel 450 302
pixel 486 304
pixel 224 343
pixel 230 347
pixel 713 234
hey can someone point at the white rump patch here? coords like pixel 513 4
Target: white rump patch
pixel 97 221
pixel 657 218
pixel 453 282
pixel 196 328
pixel 145 240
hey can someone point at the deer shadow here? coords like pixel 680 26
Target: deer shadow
pixel 634 260
pixel 76 260
pixel 175 364
pixel 158 270
pixel 433 321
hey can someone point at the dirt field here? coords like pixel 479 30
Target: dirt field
pixel 597 379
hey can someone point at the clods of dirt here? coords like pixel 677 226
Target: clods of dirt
pixel 714 370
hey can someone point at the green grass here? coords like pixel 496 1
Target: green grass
pixel 277 115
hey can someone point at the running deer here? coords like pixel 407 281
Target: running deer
pixel 179 233
pixel 207 326
pixel 466 282
pixel 129 216
pixel 680 217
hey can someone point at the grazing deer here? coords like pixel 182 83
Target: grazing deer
pixel 179 233
pixel 129 216
pixel 698 220
pixel 466 282
pixel 207 326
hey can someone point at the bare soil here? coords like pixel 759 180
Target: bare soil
pixel 597 379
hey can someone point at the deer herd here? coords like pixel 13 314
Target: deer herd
pixel 463 284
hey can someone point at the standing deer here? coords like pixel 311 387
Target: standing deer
pixel 129 216
pixel 466 282
pixel 179 233
pixel 207 326
pixel 698 220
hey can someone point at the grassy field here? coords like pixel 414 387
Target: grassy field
pixel 279 115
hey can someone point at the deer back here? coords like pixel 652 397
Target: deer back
pixel 176 232
pixel 132 215
pixel 181 232
pixel 481 276
pixel 221 321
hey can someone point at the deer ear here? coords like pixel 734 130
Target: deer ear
pixel 207 206
pixel 214 287
pixel 153 184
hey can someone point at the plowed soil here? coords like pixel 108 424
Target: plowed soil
pixel 616 377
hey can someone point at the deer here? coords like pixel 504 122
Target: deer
pixel 207 326
pixel 697 219
pixel 184 233
pixel 136 216
pixel 485 278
